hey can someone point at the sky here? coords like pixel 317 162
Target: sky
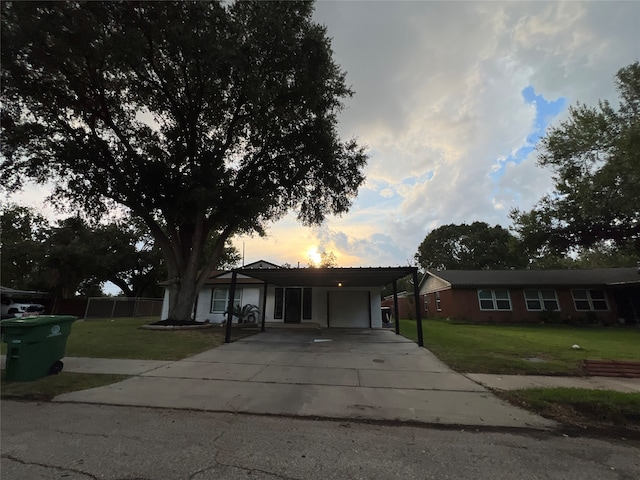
pixel 450 100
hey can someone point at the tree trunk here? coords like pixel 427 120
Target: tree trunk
pixel 187 264
pixel 182 298
pixel 184 291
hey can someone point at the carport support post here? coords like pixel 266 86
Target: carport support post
pixel 416 299
pixel 264 305
pixel 232 294
pixel 395 306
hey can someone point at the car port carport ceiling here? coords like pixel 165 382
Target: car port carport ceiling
pixel 358 277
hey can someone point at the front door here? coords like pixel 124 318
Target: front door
pixel 292 305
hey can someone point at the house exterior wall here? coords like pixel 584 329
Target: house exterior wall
pixel 249 295
pixel 253 294
pixel 434 284
pixel 165 305
pixel 406 307
pixel 319 305
pixel 462 304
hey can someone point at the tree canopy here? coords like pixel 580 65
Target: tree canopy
pixel 469 247
pixel 22 236
pixel 595 159
pixel 203 119
pixel 71 257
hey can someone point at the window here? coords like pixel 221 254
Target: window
pixel 438 305
pixel 306 304
pixel 590 300
pixel 538 300
pixel 220 299
pixel 278 306
pixel 494 299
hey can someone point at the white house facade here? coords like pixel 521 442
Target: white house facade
pixel 326 297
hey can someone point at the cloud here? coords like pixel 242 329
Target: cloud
pixel 439 90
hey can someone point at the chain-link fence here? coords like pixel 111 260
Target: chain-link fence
pixel 113 307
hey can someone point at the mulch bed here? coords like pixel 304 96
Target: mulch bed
pixel 175 325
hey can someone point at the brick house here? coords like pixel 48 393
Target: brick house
pixel 606 295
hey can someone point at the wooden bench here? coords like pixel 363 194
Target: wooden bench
pixel 611 368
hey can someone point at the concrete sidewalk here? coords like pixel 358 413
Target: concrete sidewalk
pixel 515 382
pixel 192 369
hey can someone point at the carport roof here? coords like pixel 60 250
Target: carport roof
pixel 19 293
pixel 329 277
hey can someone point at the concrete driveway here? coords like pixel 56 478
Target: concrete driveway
pixel 329 373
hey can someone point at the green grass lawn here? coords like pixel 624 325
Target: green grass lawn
pixel 123 338
pixel 578 407
pixel 504 348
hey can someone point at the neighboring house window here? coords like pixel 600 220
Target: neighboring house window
pixel 426 302
pixel 278 307
pixel 538 300
pixel 438 305
pixel 220 299
pixel 306 304
pixel 590 300
pixel 494 299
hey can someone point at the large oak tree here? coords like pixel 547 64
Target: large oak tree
pixel 204 119
pixel 477 246
pixel 595 159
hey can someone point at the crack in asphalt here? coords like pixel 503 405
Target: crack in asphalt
pixel 247 469
pixel 54 467
pixel 74 433
pixel 64 469
pixel 223 464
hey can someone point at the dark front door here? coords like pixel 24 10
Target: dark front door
pixel 292 305
pixel 628 301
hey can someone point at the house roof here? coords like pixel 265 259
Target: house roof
pixel 227 281
pixel 514 278
pixel 261 264
pixel 311 277
pixel 329 277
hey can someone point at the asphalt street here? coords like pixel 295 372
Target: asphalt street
pixel 81 441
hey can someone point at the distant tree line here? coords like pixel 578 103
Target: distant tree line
pixel 70 257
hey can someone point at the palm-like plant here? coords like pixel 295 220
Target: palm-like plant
pixel 246 313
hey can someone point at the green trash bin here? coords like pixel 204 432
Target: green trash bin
pixel 35 345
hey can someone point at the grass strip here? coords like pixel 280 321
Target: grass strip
pixel 44 389
pixel 579 407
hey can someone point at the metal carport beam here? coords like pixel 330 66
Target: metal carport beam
pixel 357 277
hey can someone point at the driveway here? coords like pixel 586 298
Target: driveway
pixel 329 373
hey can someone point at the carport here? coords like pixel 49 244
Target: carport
pixel 337 278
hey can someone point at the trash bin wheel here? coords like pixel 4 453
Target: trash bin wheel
pixel 56 368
